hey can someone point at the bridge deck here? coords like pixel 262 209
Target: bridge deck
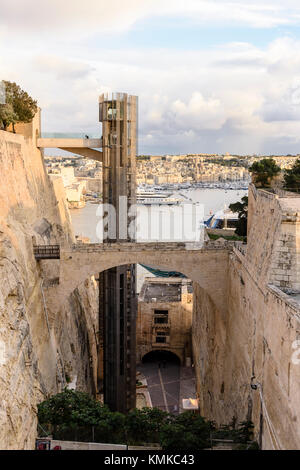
pixel 148 246
pixel 54 251
pixel 69 143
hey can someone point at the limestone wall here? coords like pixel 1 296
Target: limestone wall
pixel 257 337
pixel 40 350
pixel 208 340
pixel 262 326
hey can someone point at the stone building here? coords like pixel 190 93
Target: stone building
pixel 165 317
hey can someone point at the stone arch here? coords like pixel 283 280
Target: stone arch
pixel 208 268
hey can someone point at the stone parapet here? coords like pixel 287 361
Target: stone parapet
pixel 127 247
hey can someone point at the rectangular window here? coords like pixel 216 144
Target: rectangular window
pixel 161 316
pixel 111 111
pixel 161 312
pixel 161 339
pixel 161 320
pixel 112 139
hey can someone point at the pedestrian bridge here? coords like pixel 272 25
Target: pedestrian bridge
pixel 206 264
pixel 85 147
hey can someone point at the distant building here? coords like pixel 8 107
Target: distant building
pixel 165 317
pixel 74 189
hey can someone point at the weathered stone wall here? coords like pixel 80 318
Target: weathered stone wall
pixel 40 350
pixel 257 337
pixel 208 340
pixel 263 324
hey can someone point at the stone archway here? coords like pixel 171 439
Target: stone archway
pixel 207 267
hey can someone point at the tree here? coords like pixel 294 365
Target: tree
pixel 71 407
pixel 186 431
pixel 244 433
pixel 144 425
pixel 18 107
pixel 73 415
pixel 7 115
pixel 242 209
pixel 264 171
pixel 292 177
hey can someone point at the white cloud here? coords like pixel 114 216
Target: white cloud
pixel 62 68
pixel 199 113
pixel 234 97
pixel 116 15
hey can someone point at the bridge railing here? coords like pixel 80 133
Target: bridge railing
pixel 46 252
pixel 127 246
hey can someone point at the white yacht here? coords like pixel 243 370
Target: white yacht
pixel 147 197
pixel 223 219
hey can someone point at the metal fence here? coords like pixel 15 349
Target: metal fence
pixel 46 252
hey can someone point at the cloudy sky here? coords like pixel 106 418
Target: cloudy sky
pixel 211 75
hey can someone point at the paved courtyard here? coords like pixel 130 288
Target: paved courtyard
pixel 168 383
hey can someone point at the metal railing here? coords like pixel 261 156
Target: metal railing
pixel 46 252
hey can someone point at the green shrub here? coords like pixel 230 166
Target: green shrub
pixel 242 209
pixel 292 177
pixel 264 171
pixel 75 416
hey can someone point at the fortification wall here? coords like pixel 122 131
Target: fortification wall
pixel 208 341
pixel 40 351
pixel 259 333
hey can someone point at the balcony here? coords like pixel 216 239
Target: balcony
pixel 161 322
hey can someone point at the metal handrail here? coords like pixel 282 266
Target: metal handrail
pixel 46 251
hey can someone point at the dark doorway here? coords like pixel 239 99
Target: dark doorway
pixel 160 356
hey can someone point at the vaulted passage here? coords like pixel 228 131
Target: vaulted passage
pixel 161 357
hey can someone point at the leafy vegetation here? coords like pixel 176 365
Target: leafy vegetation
pixel 264 171
pixel 73 415
pixel 240 434
pixel 241 208
pixel 18 107
pixel 143 157
pixel 292 177
pixel 214 236
pixel 76 416
pixel 186 431
pixel 232 162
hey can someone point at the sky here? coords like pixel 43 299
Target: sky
pixel 212 76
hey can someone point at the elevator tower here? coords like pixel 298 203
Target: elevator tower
pixel 117 300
